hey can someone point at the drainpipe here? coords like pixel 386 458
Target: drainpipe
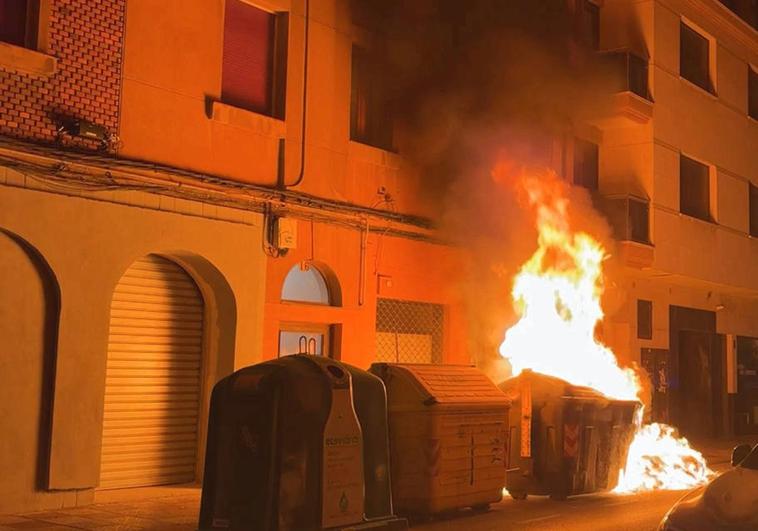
pixel 362 272
pixel 301 175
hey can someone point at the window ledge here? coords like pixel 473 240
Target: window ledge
pixel 374 154
pixel 709 222
pixel 27 61
pixel 260 123
pixel 634 107
pixel 713 95
pixel 636 254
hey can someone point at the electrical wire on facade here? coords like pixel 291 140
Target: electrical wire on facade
pixel 386 199
pixel 268 235
pixel 93 173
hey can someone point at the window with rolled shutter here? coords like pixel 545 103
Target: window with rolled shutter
pixel 254 58
pixel 13 21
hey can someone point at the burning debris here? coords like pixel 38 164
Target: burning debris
pixel 557 296
pixel 659 459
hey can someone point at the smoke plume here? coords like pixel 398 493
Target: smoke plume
pixel 483 90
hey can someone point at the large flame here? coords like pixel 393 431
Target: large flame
pixel 557 295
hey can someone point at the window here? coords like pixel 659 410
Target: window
pixel 694 58
pixel 305 284
pixel 589 21
pixel 371 119
pixel 752 92
pixel 627 71
pixel 644 319
pixel 694 189
pixel 753 210
pixel 254 59
pixel 304 339
pixel 639 221
pixel 637 76
pixel 18 22
pixel 629 217
pixel 585 164
pixel 408 332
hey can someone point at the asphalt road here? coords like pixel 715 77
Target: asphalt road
pixel 594 512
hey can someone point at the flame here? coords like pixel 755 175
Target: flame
pixel 658 459
pixel 557 292
pixel 557 296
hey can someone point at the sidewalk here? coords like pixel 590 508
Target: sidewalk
pixel 176 508
pixel 155 509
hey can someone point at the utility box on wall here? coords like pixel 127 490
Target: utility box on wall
pixel 286 233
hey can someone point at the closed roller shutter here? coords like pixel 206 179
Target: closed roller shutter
pixel 152 391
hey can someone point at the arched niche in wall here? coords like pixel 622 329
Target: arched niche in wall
pixel 29 317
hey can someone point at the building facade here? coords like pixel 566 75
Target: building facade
pixel 677 176
pixel 190 187
pixel 181 195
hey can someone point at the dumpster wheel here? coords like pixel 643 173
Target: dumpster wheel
pixel 558 496
pixel 517 495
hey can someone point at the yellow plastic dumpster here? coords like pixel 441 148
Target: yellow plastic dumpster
pixel 448 430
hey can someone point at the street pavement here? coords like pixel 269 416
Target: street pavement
pixel 595 512
pixel 176 509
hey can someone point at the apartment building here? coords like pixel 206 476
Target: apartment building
pixel 678 169
pixel 187 188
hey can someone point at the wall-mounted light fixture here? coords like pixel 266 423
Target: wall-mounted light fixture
pixel 80 128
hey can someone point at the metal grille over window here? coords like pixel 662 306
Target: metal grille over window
pixel 408 332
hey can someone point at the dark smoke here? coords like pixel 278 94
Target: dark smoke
pixel 480 83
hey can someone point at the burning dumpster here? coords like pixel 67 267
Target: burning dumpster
pixel 564 439
pixel 298 443
pixel 448 427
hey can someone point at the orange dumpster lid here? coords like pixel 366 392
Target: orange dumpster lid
pixel 452 384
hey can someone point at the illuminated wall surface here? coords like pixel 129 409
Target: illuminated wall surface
pixel 124 297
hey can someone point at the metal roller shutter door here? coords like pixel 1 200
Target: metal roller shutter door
pixel 152 391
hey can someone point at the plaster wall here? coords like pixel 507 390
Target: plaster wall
pixel 88 242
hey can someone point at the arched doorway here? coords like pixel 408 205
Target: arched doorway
pixel 315 286
pixel 153 377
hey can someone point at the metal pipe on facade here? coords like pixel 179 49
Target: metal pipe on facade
pixel 301 175
pixel 82 174
pixel 362 272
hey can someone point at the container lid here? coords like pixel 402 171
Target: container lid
pixel 551 387
pixel 450 384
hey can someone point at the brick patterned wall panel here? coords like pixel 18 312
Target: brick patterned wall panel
pixel 86 37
